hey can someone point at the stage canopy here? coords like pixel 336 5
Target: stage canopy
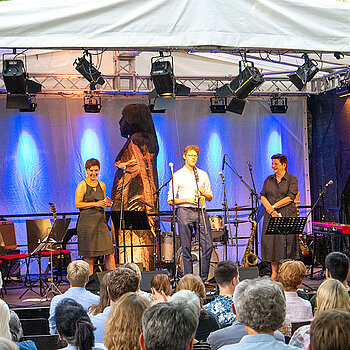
pixel 299 25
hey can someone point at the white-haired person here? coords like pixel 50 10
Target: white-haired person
pixel 78 273
pixel 6 344
pixel 260 305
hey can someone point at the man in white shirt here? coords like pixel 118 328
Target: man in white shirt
pixel 191 183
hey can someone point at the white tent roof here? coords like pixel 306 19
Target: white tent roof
pixel 299 25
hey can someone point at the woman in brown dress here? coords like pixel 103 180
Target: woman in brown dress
pixel 277 196
pixel 94 238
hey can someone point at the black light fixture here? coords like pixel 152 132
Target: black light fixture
pixel 278 104
pixel 304 73
pixel 165 86
pixel 343 89
pixel 88 70
pixel 92 104
pixel 241 86
pixel 218 105
pixel 18 86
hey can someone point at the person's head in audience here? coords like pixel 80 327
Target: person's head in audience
pixel 78 272
pixel 332 294
pixel 337 267
pixel 330 330
pixel 260 305
pixel 291 274
pixel 135 268
pixel 15 327
pixel 188 298
pixel 104 297
pixel 160 284
pixel 122 280
pixel 4 320
pixel 195 284
pixel 123 325
pixel 168 326
pixel 226 276
pixel 73 325
pixel 6 344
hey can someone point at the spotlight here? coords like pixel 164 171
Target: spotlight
pixel 88 71
pixel 241 86
pixel 338 55
pixel 304 73
pixel 153 108
pixel 218 105
pixel 343 90
pixel 92 104
pixel 166 87
pixel 278 104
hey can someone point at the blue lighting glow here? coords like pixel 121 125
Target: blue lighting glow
pixel 274 145
pixel 90 147
pixel 214 152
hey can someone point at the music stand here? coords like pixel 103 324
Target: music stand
pixel 134 220
pixel 286 226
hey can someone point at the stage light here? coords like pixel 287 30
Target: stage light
pixel 92 104
pixel 153 109
pixel 88 71
pixel 218 105
pixel 343 90
pixel 165 85
pixel 278 104
pixel 304 73
pixel 241 86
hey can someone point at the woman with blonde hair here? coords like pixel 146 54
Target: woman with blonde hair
pixel 123 325
pixel 331 294
pixel 207 321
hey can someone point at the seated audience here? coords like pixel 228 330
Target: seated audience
pixel 161 288
pixel 260 305
pixel 330 330
pixel 168 326
pixel 291 274
pixel 136 268
pixel 226 276
pixel 121 281
pixel 123 325
pixel 8 331
pixel 337 266
pixel 331 294
pixel 207 321
pixel 74 326
pixel 6 344
pixel 104 298
pixel 78 273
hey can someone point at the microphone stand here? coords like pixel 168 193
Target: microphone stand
pixel 173 222
pixel 199 222
pixel 226 215
pixel 121 218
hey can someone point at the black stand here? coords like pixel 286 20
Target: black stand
pixel 199 222
pixel 226 215
pixel 122 221
pixel 286 226
pixel 133 220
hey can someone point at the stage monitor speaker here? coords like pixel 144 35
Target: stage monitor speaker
pixel 345 196
pixel 37 230
pixel 147 277
pixel 7 230
pixel 94 282
pixel 248 273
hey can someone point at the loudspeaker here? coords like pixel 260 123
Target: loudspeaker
pixel 248 273
pixel 147 277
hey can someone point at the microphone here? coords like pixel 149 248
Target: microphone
pixel 249 165
pixel 222 175
pixel 223 162
pixel 171 168
pixel 330 182
pixel 195 174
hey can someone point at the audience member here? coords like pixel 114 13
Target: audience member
pixel 160 287
pixel 207 321
pixel 4 320
pixel 123 325
pixel 17 333
pixel 6 344
pixel 260 305
pixel 226 276
pixel 121 281
pixel 331 294
pixel 104 297
pixel 74 326
pixel 330 330
pixel 78 273
pixel 337 266
pixel 168 326
pixel 136 268
pixel 291 274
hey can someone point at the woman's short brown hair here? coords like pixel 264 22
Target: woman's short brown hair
pixel 282 158
pixel 92 162
pixel 193 283
pixel 291 273
pixel 160 282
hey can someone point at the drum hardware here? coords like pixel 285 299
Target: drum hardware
pixel 217 228
pixel 166 246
